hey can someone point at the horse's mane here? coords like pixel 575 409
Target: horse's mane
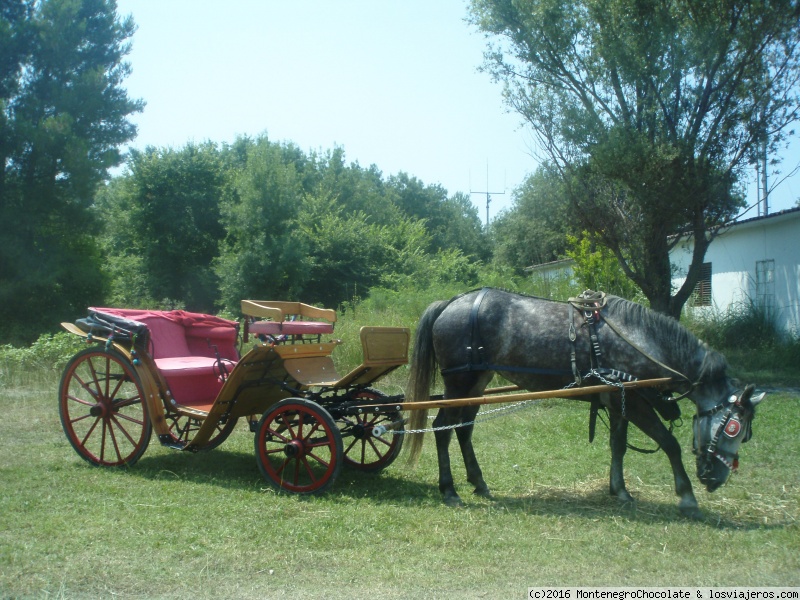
pixel 670 332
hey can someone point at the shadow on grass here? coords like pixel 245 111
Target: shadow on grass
pixel 237 470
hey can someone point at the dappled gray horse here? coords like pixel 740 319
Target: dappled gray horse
pixel 539 345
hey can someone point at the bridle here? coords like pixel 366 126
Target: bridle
pixel 731 425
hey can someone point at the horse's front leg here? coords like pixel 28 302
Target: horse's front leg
pixel 445 417
pixel 618 441
pixel 645 418
pixel 464 435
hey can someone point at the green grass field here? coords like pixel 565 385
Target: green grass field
pixel 178 525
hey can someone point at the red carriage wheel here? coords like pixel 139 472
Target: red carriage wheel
pixel 363 450
pixel 298 447
pixel 102 408
pixel 183 428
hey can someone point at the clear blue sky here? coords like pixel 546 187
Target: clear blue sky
pixel 395 83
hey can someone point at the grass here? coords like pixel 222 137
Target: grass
pixel 208 526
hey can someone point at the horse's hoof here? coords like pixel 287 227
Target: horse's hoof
pixel 453 501
pixel 691 512
pixel 483 492
pixel 627 503
pixel 624 497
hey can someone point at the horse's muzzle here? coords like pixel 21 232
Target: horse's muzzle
pixel 712 472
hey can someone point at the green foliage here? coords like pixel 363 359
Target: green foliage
pixel 751 340
pixel 63 115
pixel 596 268
pixel 48 354
pixel 534 230
pixel 264 255
pixel 166 227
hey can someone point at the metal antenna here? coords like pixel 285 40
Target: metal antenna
pixel 488 194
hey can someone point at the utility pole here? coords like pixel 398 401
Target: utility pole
pixel 761 181
pixel 488 194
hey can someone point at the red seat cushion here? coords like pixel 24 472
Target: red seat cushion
pixel 184 346
pixel 290 327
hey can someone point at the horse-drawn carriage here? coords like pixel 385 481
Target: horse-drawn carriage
pixel 182 375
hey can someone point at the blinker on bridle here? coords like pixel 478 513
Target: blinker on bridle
pixel 730 426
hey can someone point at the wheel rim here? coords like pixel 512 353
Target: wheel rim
pixel 102 409
pixel 364 451
pixel 298 447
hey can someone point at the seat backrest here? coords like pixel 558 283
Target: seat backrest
pixel 179 333
pixel 168 337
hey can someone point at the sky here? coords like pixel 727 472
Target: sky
pixel 394 83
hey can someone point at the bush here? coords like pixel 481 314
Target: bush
pixel 49 354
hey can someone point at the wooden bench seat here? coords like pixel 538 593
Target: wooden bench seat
pixel 286 321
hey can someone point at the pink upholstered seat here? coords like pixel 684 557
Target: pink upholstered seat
pixel 291 327
pixel 184 347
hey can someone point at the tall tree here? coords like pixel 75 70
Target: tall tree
pixel 63 116
pixel 163 227
pixel 264 254
pixel 534 230
pixel 651 109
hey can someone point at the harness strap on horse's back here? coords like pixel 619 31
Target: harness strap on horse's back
pixel 475 349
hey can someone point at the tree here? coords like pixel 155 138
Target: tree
pixel 651 109
pixel 264 255
pixel 534 231
pixel 63 116
pixel 453 222
pixel 163 227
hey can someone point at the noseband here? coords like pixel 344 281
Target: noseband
pixel 730 425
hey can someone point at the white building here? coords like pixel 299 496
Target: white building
pixel 754 260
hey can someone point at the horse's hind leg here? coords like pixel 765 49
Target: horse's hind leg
pixel 446 417
pixel 619 445
pixel 464 434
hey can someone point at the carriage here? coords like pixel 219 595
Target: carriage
pixel 182 375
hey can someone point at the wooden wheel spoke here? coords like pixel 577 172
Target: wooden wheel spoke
pixel 309 470
pixel 80 400
pixel 324 463
pixel 94 393
pixel 353 443
pixel 114 442
pixel 310 433
pixel 123 430
pixel 113 393
pixel 279 436
pixel 123 402
pixel 91 429
pixel 127 417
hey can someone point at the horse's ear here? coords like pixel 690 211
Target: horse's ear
pixel 756 399
pixel 748 391
pixel 748 398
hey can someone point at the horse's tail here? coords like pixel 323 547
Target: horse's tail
pixel 422 374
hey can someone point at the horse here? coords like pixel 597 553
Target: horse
pixel 540 344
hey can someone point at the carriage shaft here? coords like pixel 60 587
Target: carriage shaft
pixel 457 402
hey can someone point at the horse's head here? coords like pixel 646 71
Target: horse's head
pixel 718 433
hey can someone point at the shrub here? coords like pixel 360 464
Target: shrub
pixel 49 354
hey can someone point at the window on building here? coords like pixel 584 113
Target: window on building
pixel 701 296
pixel 765 283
